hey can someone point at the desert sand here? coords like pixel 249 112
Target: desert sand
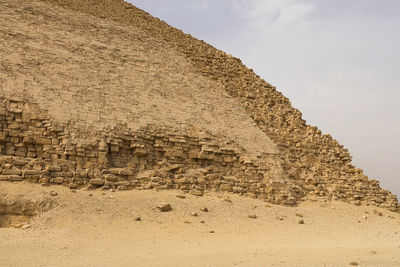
pixel 98 228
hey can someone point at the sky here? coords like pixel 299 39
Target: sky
pixel 338 61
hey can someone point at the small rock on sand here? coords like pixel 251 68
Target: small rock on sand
pixel 204 209
pixel 197 193
pixel 53 193
pixel 180 196
pixel 164 207
pixel 26 226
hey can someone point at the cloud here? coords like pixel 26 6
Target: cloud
pixel 274 15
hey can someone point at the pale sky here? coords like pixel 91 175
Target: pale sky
pixel 338 61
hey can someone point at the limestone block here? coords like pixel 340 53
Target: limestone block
pixel 57 180
pixel 12 172
pixel 97 182
pixel 54 168
pixel 225 187
pixel 42 141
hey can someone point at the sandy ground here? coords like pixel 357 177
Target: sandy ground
pixel 96 228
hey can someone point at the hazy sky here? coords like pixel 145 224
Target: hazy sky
pixel 338 61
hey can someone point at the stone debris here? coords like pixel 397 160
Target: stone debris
pixel 204 209
pixel 194 214
pixel 164 207
pixel 252 216
pixel 138 219
pixel 26 226
pixel 354 263
pixel 196 193
pixel 378 213
pixel 53 193
pixel 301 221
pixel 180 196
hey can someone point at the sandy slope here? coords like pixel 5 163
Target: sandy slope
pixel 100 230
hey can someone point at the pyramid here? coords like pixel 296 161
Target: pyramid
pixel 100 94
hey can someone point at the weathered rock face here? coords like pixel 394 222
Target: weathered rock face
pixel 78 114
pixel 32 148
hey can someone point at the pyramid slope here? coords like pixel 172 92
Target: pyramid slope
pixel 202 88
pixel 79 75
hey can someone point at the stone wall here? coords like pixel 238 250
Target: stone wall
pixel 34 149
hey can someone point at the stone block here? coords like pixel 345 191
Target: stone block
pixel 42 141
pixel 97 182
pixel 57 180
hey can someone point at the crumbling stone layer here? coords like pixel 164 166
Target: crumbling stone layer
pixel 33 148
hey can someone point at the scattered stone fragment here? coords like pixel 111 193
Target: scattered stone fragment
pixel 378 213
pixel 57 180
pixel 299 215
pixel 91 194
pixel 268 205
pixel 354 263
pixel 205 222
pixel 73 190
pixel 164 207
pixel 73 186
pixel 372 252
pixel 301 221
pixel 180 196
pixel 365 217
pixel 312 198
pixel 138 219
pixel 252 216
pixel 197 193
pixel 227 200
pixel 212 232
pixel 26 226
pixel 194 214
pixel 187 222
pixel 53 193
pixel 204 209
